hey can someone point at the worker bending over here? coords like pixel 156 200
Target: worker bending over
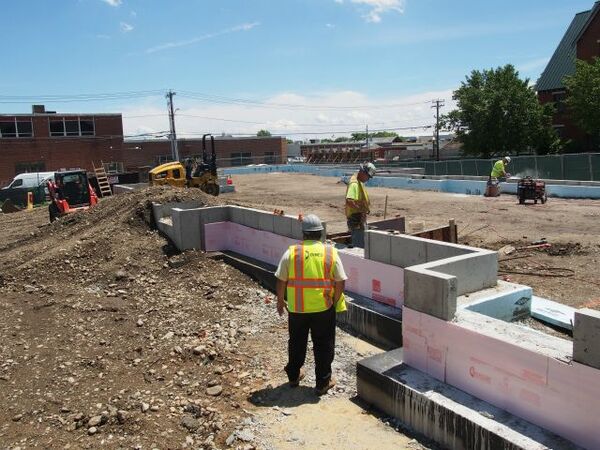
pixel 312 276
pixel 499 170
pixel 357 203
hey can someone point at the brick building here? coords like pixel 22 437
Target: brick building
pixel 231 151
pixel 48 141
pixel 581 41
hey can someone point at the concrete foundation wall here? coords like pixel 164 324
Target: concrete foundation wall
pixel 586 337
pixel 554 188
pixel 404 251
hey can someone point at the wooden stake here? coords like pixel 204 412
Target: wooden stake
pixel 385 208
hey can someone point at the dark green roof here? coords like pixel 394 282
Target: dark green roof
pixel 562 62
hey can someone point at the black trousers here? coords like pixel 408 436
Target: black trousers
pixel 322 332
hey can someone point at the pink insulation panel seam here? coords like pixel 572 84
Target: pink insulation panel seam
pixel 562 398
pixel 371 279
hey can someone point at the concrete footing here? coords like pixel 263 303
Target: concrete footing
pixel 378 323
pixel 453 418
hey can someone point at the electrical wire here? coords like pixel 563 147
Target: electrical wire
pixel 265 104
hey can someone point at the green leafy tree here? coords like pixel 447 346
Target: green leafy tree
pixel 498 113
pixel 263 133
pixel 378 134
pixel 583 100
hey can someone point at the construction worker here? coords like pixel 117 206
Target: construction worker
pixel 312 278
pixel 499 169
pixel 357 203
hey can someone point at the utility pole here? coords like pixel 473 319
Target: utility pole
pixel 172 135
pixel 367 140
pixel 437 104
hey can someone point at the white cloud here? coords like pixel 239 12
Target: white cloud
pixel 329 25
pixel 114 3
pixel 303 116
pixel 133 14
pixel 378 7
pixel 175 44
pixel 533 65
pixel 126 27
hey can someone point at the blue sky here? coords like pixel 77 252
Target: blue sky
pixel 309 53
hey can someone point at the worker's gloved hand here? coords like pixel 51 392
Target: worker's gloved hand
pixel 508 175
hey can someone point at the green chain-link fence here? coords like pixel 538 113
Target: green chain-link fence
pixel 584 167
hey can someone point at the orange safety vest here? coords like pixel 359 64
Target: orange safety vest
pixel 310 277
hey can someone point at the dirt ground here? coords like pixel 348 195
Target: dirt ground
pixel 562 272
pixel 109 338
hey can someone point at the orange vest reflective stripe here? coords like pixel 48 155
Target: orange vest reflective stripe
pixel 310 277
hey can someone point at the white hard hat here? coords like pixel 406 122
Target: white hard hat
pixel 507 159
pixel 311 223
pixel 369 169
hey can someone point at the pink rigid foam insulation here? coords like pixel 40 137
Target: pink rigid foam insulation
pixel 381 282
pixel 560 397
pixel 371 279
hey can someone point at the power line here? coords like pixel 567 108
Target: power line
pixel 295 124
pixel 264 104
pixel 296 132
pixel 68 98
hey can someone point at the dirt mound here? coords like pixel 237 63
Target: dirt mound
pixel 108 333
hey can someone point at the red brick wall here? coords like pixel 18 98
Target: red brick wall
pixel 570 131
pixel 107 145
pixel 146 153
pixel 62 152
pixel 588 45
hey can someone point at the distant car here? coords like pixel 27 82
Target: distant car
pixel 30 180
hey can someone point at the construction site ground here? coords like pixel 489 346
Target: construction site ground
pixel 111 338
pixel 564 271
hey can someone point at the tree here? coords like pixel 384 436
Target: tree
pixel 583 100
pixel 263 133
pixel 378 134
pixel 499 113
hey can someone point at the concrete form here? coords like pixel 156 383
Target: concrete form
pixel 461 350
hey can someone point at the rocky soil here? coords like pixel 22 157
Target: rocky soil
pixel 110 338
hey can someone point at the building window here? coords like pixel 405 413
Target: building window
pixel 241 159
pixel 16 128
pixel 72 127
pixel 270 158
pixel 161 159
pixel 28 167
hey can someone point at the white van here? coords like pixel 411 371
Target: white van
pixel 30 180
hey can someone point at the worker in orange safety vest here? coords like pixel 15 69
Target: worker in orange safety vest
pixel 311 276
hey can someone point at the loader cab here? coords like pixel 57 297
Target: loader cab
pixel 172 173
pixel 73 187
pixel 70 191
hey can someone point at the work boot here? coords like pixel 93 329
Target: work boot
pixel 324 389
pixel 297 381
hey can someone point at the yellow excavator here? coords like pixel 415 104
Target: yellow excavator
pixel 204 176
